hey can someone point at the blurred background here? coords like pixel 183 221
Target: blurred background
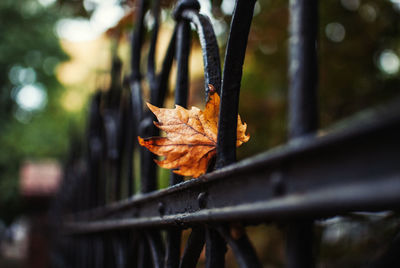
pixel 54 54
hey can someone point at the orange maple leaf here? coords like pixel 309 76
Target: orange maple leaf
pixel 191 139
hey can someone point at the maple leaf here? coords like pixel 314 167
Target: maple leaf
pixel 191 136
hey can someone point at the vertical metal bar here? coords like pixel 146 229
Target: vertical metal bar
pixel 232 76
pixel 241 246
pixel 111 115
pixel 163 76
pixel 193 248
pixel 299 244
pixel 130 138
pixel 95 148
pixel 119 165
pixel 135 78
pixel 98 251
pixel 215 249
pixel 143 253
pixel 126 143
pixel 151 66
pixel 119 250
pixel 182 57
pixel 117 93
pixel 156 248
pixel 137 41
pixel 102 164
pixel 132 256
pixel 173 248
pixel 148 168
pixel 208 42
pixel 303 116
pixel 142 124
pixel 85 249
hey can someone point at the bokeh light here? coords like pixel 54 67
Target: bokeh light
pixel 351 5
pixel 227 7
pixel 368 12
pixel 31 97
pixel 389 62
pixel 335 32
pixel 105 14
pixel 19 75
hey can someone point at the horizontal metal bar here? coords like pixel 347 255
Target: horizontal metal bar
pixel 356 169
pixel 374 196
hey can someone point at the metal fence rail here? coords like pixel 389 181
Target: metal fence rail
pixel 351 169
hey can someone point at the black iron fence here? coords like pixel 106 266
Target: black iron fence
pixel 310 178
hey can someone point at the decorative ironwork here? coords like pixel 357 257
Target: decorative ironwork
pixel 309 178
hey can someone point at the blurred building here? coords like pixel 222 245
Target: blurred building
pixel 39 182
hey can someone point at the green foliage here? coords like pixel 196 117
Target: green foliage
pixel 29 54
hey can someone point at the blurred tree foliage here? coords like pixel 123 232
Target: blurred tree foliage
pixel 29 54
pixel 358 64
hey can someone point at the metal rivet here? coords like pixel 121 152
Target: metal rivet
pixel 277 183
pixel 161 208
pixel 202 200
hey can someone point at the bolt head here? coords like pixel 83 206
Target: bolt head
pixel 202 199
pixel 161 208
pixel 278 184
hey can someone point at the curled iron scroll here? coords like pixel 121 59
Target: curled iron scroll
pixel 209 45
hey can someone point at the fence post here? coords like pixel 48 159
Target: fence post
pixel 303 116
